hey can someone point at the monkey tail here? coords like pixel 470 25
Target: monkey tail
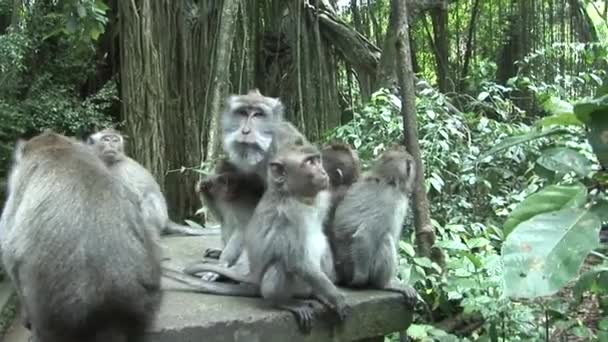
pixel 176 228
pixel 187 283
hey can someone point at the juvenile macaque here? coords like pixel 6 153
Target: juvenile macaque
pixel 75 246
pixel 231 197
pixel 342 165
pixel 368 222
pixel 109 146
pixel 289 255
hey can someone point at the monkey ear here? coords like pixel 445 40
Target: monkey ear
pixel 277 108
pixel 340 175
pixel 90 140
pixel 277 171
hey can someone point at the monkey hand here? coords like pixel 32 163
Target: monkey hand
pixel 409 294
pixel 212 253
pixel 340 307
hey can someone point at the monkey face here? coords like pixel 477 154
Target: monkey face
pixel 299 174
pixel 110 147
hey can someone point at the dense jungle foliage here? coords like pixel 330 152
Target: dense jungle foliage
pixel 511 106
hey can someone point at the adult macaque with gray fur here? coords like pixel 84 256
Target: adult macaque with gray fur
pixel 75 246
pixel 368 222
pixel 253 129
pixel 289 256
pixel 109 146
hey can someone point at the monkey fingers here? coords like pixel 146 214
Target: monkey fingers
pixel 409 293
pixel 210 276
pixel 212 253
pixel 303 311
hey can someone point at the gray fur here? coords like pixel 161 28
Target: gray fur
pixel 250 142
pixel 75 246
pixel 368 222
pixel 289 255
pixel 140 180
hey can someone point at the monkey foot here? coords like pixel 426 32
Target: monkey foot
pixel 210 276
pixel 212 253
pixel 304 313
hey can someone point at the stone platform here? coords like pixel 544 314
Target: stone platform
pixel 212 318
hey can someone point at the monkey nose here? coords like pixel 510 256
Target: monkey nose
pixel 245 131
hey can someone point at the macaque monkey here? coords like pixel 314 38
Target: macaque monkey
pixel 368 222
pixel 289 256
pixel 109 146
pixel 342 165
pixel 75 246
pixel 253 130
pixel 231 197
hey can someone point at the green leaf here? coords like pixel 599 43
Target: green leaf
pixel 603 324
pixel 81 11
pixel 584 108
pixel 546 252
pixel 100 5
pixel 598 137
pixel 482 96
pixel 596 279
pixel 557 106
pixel 95 33
pixel 520 139
pixel 550 198
pixel 407 248
pixel 601 209
pixel 564 119
pixel 564 160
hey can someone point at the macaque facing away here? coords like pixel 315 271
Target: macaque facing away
pixel 75 246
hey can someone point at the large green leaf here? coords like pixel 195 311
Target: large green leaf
pixel 564 160
pixel 520 139
pixel 564 119
pixel 546 252
pixel 550 198
pixel 598 136
pixel 586 107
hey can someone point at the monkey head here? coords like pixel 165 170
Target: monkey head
pixel 108 144
pixel 341 163
pixel 298 170
pixel 248 124
pixel 396 167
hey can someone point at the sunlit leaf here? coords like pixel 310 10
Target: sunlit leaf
pixel 564 160
pixel 564 119
pixel 482 96
pixel 546 252
pixel 550 198
pixel 557 106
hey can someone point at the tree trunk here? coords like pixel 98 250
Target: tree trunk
pixel 469 49
pixel 425 236
pixel 218 82
pixel 155 81
pixel 439 17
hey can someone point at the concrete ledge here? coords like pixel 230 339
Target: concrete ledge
pixel 210 318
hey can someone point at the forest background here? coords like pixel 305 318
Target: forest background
pixel 511 109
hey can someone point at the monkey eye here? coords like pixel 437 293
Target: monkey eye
pixel 241 112
pixel 106 139
pixel 258 114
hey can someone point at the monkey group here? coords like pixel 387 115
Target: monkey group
pixel 80 231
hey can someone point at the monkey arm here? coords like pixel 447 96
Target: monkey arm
pixel 233 249
pixel 228 272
